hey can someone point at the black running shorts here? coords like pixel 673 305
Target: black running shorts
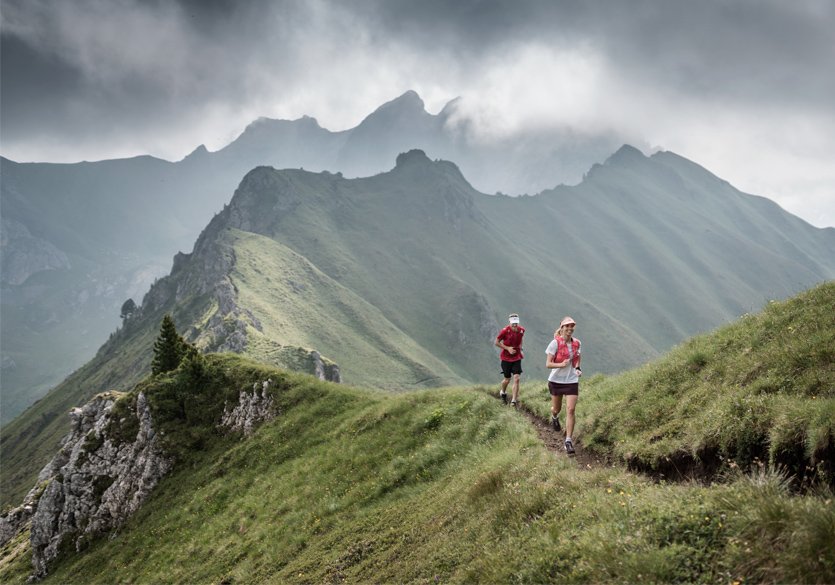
pixel 510 368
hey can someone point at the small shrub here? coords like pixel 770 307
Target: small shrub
pixel 434 420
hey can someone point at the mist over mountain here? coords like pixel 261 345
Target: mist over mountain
pixel 78 240
pixel 102 232
pixel 526 163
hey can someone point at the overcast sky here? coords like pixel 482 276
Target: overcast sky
pixel 746 88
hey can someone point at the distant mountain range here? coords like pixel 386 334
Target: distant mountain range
pixel 402 280
pixel 80 239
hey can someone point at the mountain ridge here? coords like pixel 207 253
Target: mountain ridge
pixel 119 223
pixel 404 278
pixel 370 486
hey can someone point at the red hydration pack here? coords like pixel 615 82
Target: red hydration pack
pixel 563 353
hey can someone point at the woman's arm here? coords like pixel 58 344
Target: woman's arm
pixel 552 365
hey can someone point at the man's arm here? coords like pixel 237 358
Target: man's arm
pixel 509 349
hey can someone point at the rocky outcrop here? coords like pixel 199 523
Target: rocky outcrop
pixel 22 254
pixel 226 329
pixel 325 371
pixel 261 201
pixel 106 469
pixel 104 472
pixel 250 409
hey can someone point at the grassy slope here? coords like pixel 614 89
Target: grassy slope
pixel 758 390
pixel 352 485
pixel 406 242
pixel 428 252
pixel 299 305
pixel 654 244
pixel 762 387
pixel 642 241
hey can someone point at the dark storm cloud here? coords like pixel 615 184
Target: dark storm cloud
pixel 746 49
pixel 710 79
pixel 79 60
pixel 99 66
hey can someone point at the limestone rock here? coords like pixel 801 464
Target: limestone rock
pixel 250 409
pixel 96 481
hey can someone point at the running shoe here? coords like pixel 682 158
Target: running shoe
pixel 513 403
pixel 569 448
pixel 555 422
pixel 504 397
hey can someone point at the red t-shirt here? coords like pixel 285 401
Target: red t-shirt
pixel 514 339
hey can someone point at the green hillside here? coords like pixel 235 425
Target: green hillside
pixel 445 485
pixel 643 244
pixel 300 305
pixel 404 279
pixel 119 222
pixel 655 241
pixel 33 438
pixel 758 390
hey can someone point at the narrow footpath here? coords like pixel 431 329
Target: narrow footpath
pixel 555 441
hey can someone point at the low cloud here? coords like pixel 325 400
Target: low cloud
pixel 745 88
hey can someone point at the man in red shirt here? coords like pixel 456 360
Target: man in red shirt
pixel 510 340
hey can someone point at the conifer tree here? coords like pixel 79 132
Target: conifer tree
pixel 169 347
pixel 128 309
pixel 193 365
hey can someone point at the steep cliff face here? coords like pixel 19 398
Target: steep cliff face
pixel 205 271
pixel 104 472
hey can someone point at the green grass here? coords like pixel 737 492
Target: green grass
pixel 759 390
pixel 299 305
pixel 428 268
pixel 441 485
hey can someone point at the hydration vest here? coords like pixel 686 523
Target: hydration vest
pixel 563 353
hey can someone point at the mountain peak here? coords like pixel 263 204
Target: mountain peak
pixel 413 157
pixel 408 106
pixel 409 100
pixel 626 155
pixel 198 152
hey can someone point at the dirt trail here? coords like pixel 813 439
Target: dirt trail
pixel 555 441
pixel 675 468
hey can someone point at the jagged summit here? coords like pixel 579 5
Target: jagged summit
pixel 405 112
pixel 408 102
pixel 198 152
pixel 413 157
pixel 417 158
